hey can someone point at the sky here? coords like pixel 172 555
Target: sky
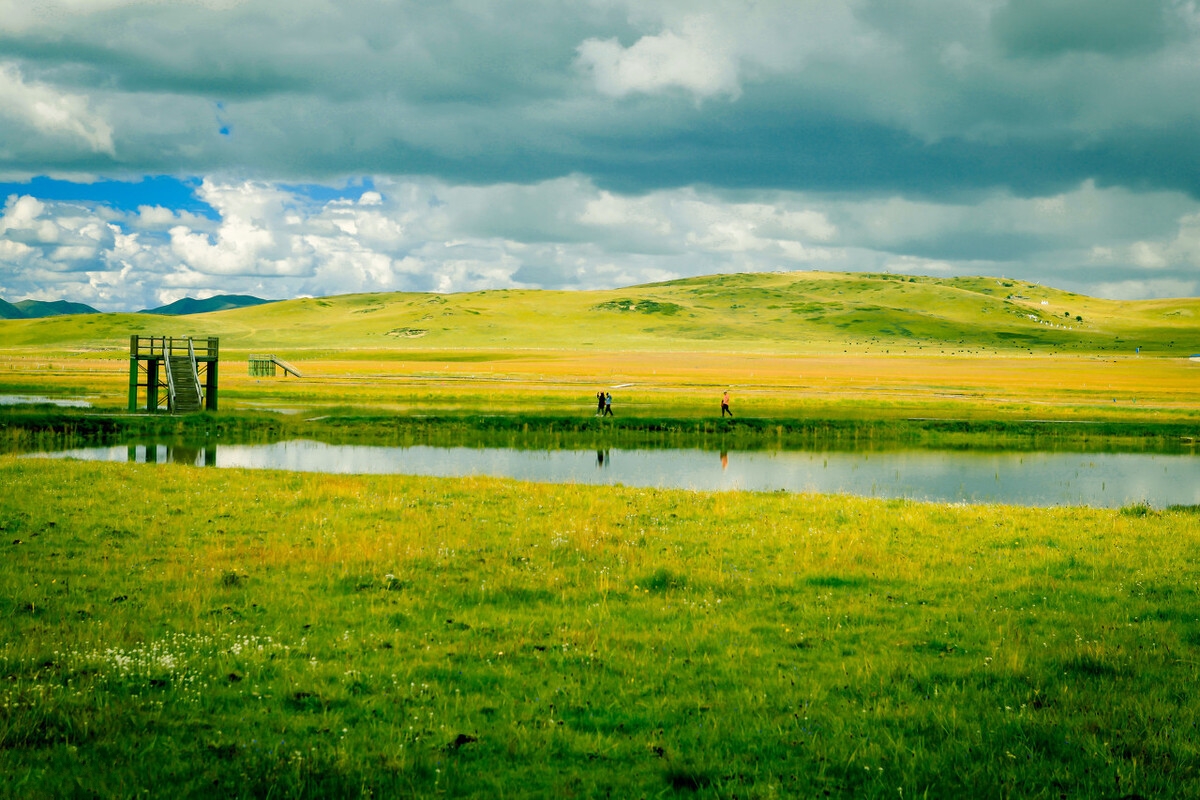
pixel 157 149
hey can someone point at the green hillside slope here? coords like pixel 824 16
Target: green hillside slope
pixel 9 311
pixel 34 309
pixel 784 313
pixel 221 302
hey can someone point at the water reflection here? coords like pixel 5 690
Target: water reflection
pixel 35 399
pixel 1037 479
pixel 193 455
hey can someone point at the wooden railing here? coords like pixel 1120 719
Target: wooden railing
pixel 205 349
pixel 195 374
pixel 170 382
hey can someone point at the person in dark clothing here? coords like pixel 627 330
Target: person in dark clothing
pixel 599 404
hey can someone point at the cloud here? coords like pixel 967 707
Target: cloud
pixel 919 266
pixel 43 109
pixel 20 213
pixel 695 60
pixel 70 239
pixel 583 144
pixel 1181 251
pixel 607 211
pixel 409 234
pixel 804 95
pixel 427 235
pixel 14 252
pixel 1149 289
pixel 1147 255
pixel 1049 28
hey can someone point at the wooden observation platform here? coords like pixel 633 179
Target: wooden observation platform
pixel 185 367
pixel 263 366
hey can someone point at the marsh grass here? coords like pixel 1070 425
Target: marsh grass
pixel 179 632
pixel 25 430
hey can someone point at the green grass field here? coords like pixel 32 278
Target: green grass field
pixel 173 631
pixel 180 632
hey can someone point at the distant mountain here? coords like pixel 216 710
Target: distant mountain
pixel 221 302
pixel 9 311
pixel 36 309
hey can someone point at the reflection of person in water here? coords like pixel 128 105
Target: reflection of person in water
pixel 724 459
pixel 599 458
pixel 725 405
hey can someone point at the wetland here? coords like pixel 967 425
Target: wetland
pixel 201 626
pixel 1099 479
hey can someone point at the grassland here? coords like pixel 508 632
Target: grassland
pixel 188 632
pixel 788 313
pixel 797 346
pixel 174 631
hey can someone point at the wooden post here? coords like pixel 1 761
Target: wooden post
pixel 133 372
pixel 152 385
pixel 210 390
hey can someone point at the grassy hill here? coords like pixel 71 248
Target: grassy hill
pixel 221 302
pixel 801 312
pixel 35 309
pixel 9 311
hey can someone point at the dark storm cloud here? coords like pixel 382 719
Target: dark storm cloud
pixel 490 92
pixel 431 52
pixel 1049 28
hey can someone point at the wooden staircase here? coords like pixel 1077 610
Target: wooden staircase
pixel 185 367
pixel 185 389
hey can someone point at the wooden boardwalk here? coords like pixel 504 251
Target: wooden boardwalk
pixel 263 365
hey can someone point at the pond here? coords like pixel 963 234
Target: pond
pixel 1109 480
pixel 34 400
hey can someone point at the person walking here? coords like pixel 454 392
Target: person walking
pixel 608 405
pixel 599 404
pixel 725 405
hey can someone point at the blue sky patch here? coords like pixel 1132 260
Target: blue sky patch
pixel 321 194
pixel 153 190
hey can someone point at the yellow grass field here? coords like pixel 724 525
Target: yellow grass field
pixel 785 345
pixel 688 383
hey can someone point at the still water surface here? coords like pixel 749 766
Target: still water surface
pixel 36 399
pixel 1108 480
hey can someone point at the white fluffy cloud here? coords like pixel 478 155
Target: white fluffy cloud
pixel 695 59
pixel 62 239
pixel 21 213
pixel 253 238
pixel 427 235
